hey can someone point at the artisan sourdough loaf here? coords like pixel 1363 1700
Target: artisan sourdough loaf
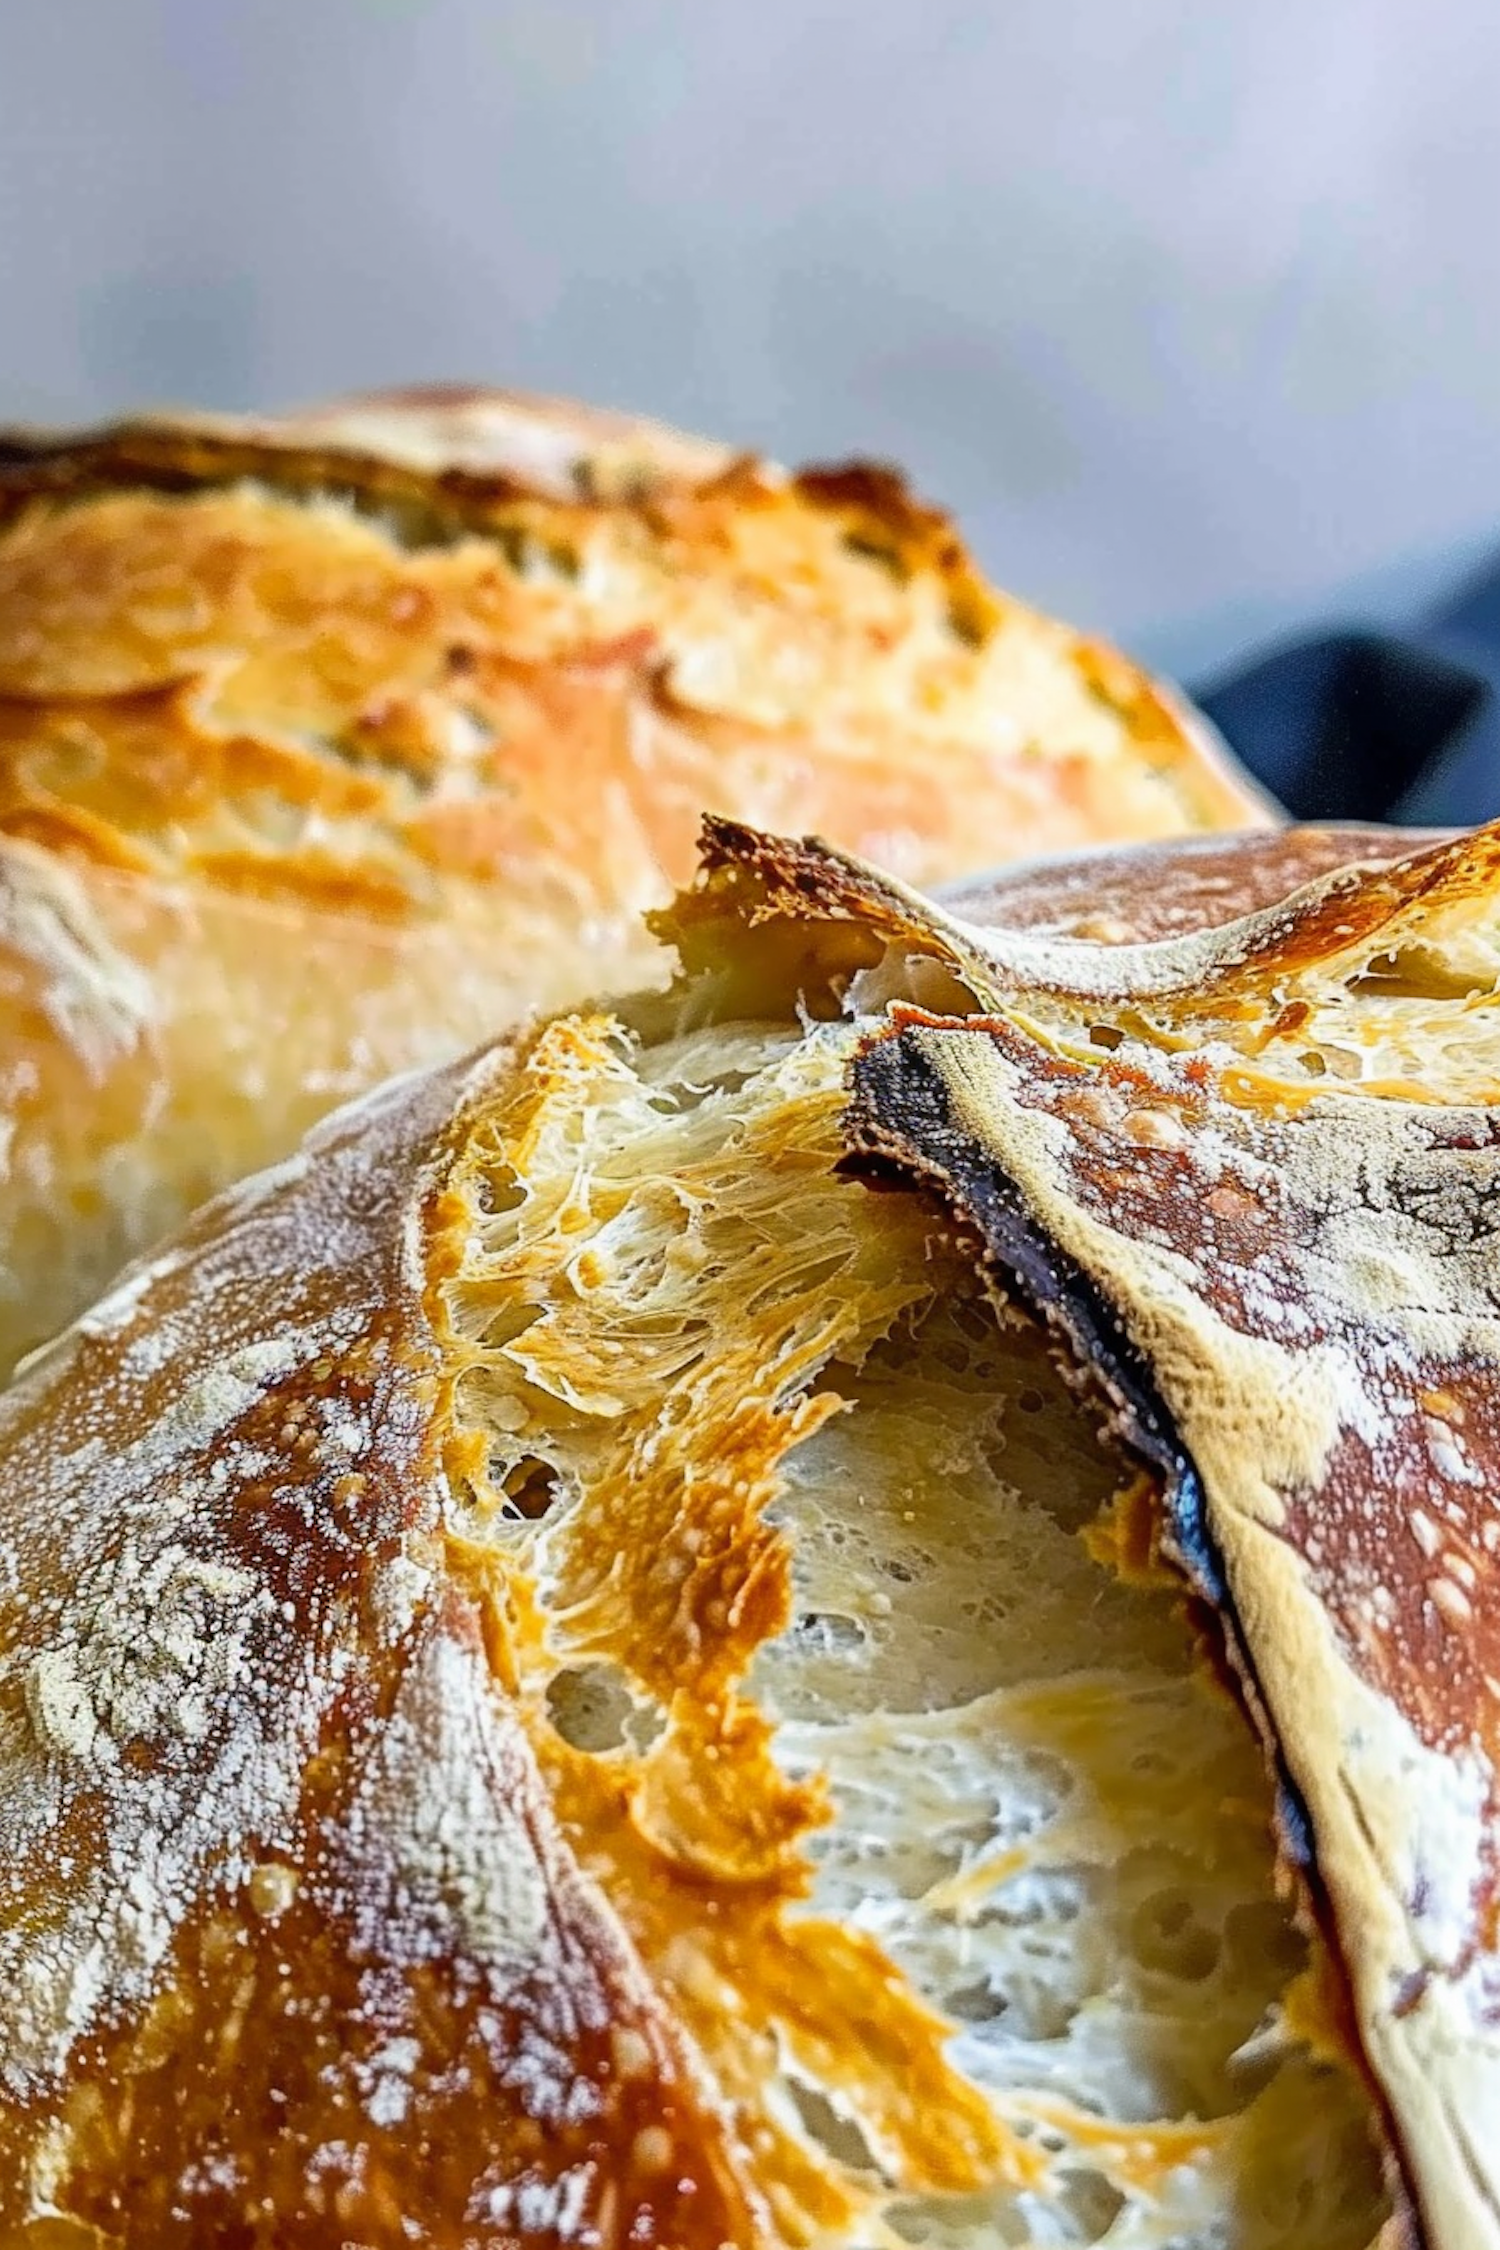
pixel 328 745
pixel 844 1604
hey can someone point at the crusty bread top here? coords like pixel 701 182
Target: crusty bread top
pixel 542 445
pixel 330 743
pixel 346 583
pixel 1129 896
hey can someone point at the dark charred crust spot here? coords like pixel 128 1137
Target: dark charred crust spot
pixel 878 491
pixel 877 551
pixel 901 1111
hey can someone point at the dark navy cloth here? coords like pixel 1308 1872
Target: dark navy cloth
pixel 1365 725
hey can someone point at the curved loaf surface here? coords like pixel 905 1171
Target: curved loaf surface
pixel 586 1684
pixel 1246 1172
pixel 329 743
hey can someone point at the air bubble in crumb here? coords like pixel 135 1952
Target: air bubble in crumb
pixel 593 1709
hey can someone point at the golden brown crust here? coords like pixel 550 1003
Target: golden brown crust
pixel 445 680
pixel 246 1703
pixel 489 443
pixel 259 1693
pixel 883 580
pixel 1292 1293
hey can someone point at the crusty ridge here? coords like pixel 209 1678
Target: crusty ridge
pixel 1290 1291
pixel 515 440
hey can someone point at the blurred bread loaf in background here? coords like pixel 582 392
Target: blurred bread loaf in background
pixel 329 743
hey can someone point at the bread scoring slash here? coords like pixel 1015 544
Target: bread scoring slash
pixel 329 744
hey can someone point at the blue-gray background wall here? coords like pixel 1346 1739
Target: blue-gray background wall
pixel 1191 309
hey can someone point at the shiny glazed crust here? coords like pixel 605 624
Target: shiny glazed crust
pixel 330 743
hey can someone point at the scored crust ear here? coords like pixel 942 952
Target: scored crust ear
pixel 1247 1176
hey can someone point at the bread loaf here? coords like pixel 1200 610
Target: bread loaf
pixel 843 1604
pixel 328 745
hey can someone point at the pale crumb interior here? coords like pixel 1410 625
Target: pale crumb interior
pixel 1051 1819
pixel 1049 1816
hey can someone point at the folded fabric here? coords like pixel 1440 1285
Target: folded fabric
pixel 1359 724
